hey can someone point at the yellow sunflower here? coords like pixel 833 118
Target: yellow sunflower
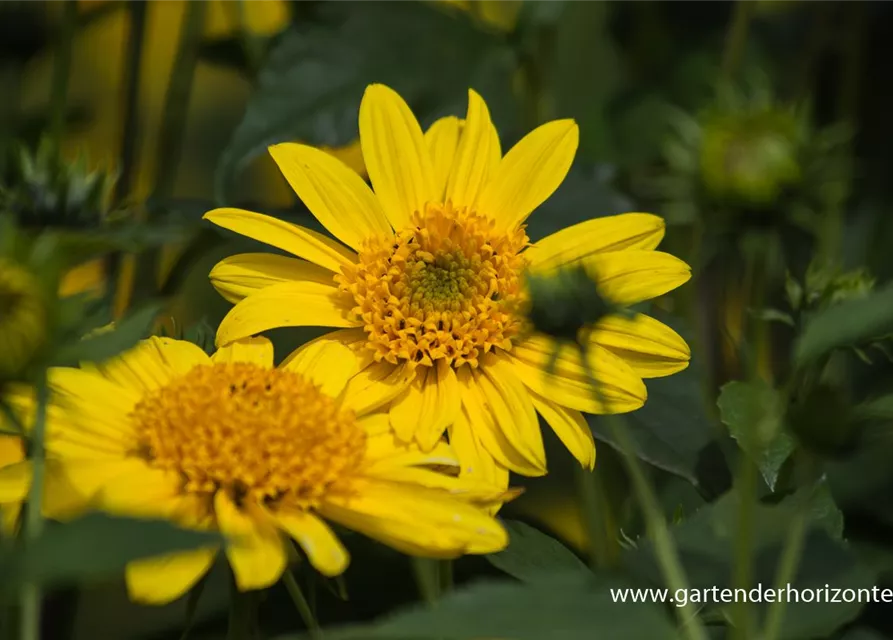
pixel 230 443
pixel 427 287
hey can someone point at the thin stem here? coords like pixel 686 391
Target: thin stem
pixel 656 525
pixel 242 623
pixel 171 135
pixel 742 571
pixel 597 517
pixel 62 70
pixel 427 576
pixel 303 607
pixel 130 97
pixel 787 568
pixel 11 81
pixel 446 576
pixel 736 38
pixel 33 526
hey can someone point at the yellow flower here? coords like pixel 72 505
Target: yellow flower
pixel 23 318
pixel 12 452
pixel 428 287
pixel 230 443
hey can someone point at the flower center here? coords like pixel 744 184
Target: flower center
pixel 448 286
pixel 22 318
pixel 265 434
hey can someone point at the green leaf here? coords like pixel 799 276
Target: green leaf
pixel 106 344
pixel 95 546
pixel 706 539
pixel 753 413
pixel 880 408
pixel 847 323
pixel 560 607
pixel 774 315
pixel 532 554
pixel 672 431
pixel 310 87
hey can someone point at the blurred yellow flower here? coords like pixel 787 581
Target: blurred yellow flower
pixel 228 442
pixel 429 287
pixel 23 318
pixel 12 452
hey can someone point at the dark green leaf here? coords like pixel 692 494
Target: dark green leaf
pixel 560 607
pixel 705 540
pixel 672 430
pixel 311 85
pixel 774 315
pixel 107 343
pixel 880 408
pixel 846 323
pixel 95 546
pixel 532 554
pixel 753 412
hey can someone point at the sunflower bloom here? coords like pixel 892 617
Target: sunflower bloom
pixel 230 443
pixel 427 287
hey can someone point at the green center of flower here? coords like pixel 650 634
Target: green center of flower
pixel 448 287
pixel 266 434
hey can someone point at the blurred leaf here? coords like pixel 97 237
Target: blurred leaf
pixel 128 238
pixel 586 74
pixel 877 408
pixel 752 411
pixel 107 343
pixel 532 554
pixel 672 430
pixel 773 315
pixel 312 82
pixel 846 323
pixel 705 540
pixel 95 546
pixel 558 607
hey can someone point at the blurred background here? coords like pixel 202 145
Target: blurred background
pixel 759 129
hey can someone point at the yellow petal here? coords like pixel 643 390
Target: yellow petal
pixel 73 485
pixel 428 406
pixel 628 277
pixel 397 159
pixel 324 550
pixel 148 366
pixel 376 385
pixel 385 452
pixel 568 385
pixel 255 551
pixel 490 432
pixel 570 427
pixel 336 195
pixel 291 238
pixel 143 492
pixel 477 465
pixel 240 275
pixel 495 149
pixel 530 172
pixel 442 139
pixel 642 231
pixel 512 408
pixel 12 449
pixel 416 519
pixel 650 347
pixel 15 480
pixel 165 578
pixel 328 360
pixel 290 304
pixel 471 166
pixel 257 351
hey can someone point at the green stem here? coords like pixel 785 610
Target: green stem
pixel 597 517
pixel 171 135
pixel 427 576
pixel 742 572
pixel 787 568
pixel 62 70
pixel 129 131
pixel 10 80
pixel 33 526
pixel 446 576
pixel 242 623
pixel 303 607
pixel 736 38
pixel 655 523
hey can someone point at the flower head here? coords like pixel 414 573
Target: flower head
pixel 230 443
pixel 429 290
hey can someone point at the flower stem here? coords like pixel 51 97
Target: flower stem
pixel 297 596
pixel 427 576
pixel 62 70
pixel 33 527
pixel 736 38
pixel 603 544
pixel 656 524
pixel 133 62
pixel 170 137
pixel 242 624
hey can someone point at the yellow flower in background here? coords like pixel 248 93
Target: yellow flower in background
pixel 228 442
pixel 12 452
pixel 428 288
pixel 23 318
